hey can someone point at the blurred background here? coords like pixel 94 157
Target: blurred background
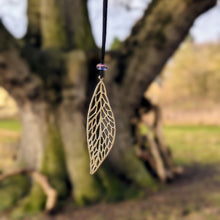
pixel 187 92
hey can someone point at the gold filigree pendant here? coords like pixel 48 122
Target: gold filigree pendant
pixel 101 127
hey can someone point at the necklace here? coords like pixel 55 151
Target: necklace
pixel 101 127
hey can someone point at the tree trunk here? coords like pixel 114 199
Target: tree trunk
pixel 51 74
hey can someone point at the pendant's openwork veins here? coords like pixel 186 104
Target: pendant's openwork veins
pixel 100 127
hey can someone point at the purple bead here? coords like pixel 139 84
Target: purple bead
pixel 101 67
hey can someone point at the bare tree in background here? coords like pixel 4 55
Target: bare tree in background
pixel 51 74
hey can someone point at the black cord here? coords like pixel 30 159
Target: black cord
pixel 104 30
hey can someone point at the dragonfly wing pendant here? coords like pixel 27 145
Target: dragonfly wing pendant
pixel 100 127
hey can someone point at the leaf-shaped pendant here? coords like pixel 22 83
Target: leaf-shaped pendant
pixel 100 127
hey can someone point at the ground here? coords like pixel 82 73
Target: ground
pixel 193 196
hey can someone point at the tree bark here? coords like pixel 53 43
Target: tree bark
pixel 50 74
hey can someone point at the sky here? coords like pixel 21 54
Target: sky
pixel 120 20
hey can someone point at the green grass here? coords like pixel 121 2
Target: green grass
pixel 9 130
pixel 194 144
pixel 8 139
pixel 10 124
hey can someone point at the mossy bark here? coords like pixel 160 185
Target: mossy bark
pixel 52 25
pixel 85 187
pixel 12 190
pixel 52 164
pixel 32 204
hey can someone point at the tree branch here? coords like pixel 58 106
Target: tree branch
pixel 64 24
pixel 48 190
pixel 53 25
pixel 78 25
pixel 33 36
pixel 17 79
pixel 154 39
pixel 6 40
pixel 15 75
